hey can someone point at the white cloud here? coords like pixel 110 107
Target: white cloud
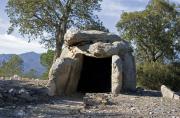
pixel 110 8
pixel 10 44
pixel 114 8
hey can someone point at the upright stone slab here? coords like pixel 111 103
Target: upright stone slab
pixel 74 75
pixel 116 79
pixel 59 75
pixel 129 73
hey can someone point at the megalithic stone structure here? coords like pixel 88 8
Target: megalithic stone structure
pixel 65 73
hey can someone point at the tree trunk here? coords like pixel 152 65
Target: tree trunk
pixel 59 41
pixel 59 44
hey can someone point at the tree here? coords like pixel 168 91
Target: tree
pixel 53 17
pixel 47 59
pixel 12 67
pixel 94 26
pixel 154 31
pixel 31 74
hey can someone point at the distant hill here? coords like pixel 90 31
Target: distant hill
pixel 31 60
pixel 5 57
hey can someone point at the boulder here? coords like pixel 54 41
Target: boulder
pixel 82 37
pixel 168 93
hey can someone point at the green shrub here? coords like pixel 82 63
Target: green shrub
pixel 152 75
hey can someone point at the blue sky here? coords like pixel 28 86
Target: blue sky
pixel 110 14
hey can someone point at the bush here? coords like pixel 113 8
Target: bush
pixel 153 75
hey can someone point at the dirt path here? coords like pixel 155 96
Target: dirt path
pixel 27 99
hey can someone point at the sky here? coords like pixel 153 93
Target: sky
pixel 109 15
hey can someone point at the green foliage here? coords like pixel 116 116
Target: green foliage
pixel 31 74
pixel 155 31
pixel 45 75
pixel 12 67
pixel 47 60
pixel 54 17
pixel 153 75
pixel 98 25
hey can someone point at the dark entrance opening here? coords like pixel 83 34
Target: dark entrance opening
pixel 95 75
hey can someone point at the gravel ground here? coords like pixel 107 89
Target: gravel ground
pixel 28 99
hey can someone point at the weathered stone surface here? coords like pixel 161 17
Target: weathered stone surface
pixel 65 72
pixel 168 93
pixel 129 72
pixel 176 97
pixel 74 76
pixel 59 75
pixel 103 50
pixel 116 74
pixel 90 37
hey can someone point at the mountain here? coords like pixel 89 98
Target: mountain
pixel 5 57
pixel 31 60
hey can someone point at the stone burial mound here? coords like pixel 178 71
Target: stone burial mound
pixel 93 61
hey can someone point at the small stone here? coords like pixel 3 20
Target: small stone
pixel 26 96
pixel 150 113
pixel 21 113
pixel 169 112
pixel 176 116
pixel 133 108
pixel 173 110
pixel 22 91
pixel 11 90
pixel 176 97
pixel 132 98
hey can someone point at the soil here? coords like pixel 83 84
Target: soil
pixel 28 99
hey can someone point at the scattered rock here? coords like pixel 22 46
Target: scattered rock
pixel 22 91
pixel 92 99
pixel 176 97
pixel 124 105
pixel 133 108
pixel 133 99
pixel 26 96
pixel 16 77
pixel 20 113
pixel 150 113
pixel 168 93
pixel 11 90
pixel 175 117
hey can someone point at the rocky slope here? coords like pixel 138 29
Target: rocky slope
pixel 28 99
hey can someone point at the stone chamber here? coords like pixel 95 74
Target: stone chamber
pixel 93 62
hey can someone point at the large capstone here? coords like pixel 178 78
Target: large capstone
pixel 93 61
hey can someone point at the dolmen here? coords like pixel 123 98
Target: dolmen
pixel 65 73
